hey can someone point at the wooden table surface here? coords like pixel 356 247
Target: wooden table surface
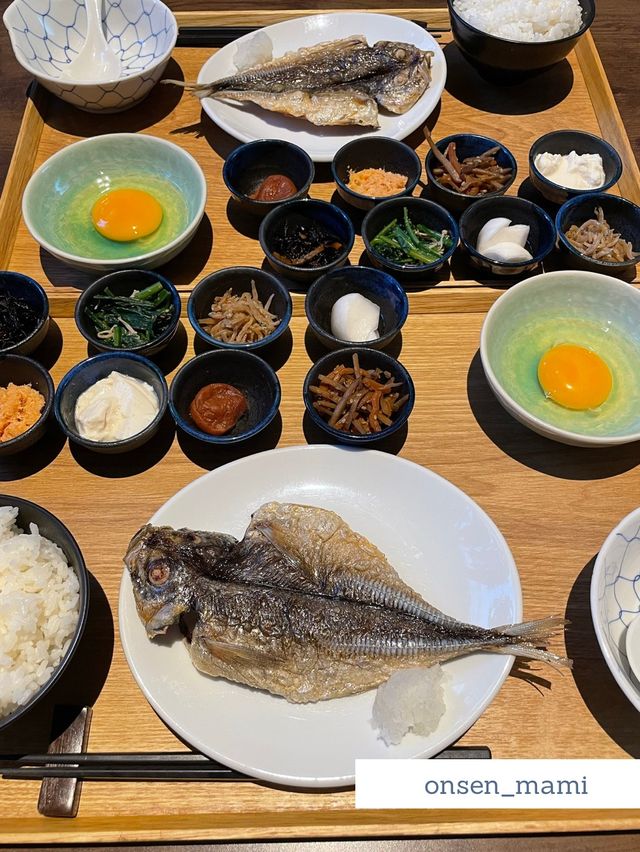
pixel 616 32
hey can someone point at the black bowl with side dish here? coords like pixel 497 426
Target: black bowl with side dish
pixel 25 289
pixel 25 371
pixel 564 142
pixel 493 54
pixel 467 145
pixel 541 240
pixel 374 152
pixel 620 214
pixel 249 165
pixel 246 372
pixel 295 223
pixel 239 279
pixel 52 528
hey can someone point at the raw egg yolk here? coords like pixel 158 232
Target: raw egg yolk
pixel 124 215
pixel 574 377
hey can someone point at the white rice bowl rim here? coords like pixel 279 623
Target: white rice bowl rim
pixel 59 534
pixel 588 19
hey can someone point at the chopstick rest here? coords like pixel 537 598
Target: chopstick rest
pixel 60 797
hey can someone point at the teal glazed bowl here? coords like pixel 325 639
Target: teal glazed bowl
pixel 59 197
pixel 585 309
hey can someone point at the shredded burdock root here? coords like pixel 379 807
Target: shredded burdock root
pixel 596 239
pixel 474 175
pixel 240 319
pixel 357 401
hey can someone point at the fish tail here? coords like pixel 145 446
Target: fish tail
pixel 535 631
pixel 532 653
pixel 200 90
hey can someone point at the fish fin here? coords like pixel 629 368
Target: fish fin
pixel 534 631
pixel 233 654
pixel 531 653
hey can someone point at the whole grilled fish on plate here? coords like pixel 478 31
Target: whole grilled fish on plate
pixel 329 70
pixel 443 547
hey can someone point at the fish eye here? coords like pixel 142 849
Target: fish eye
pixel 158 573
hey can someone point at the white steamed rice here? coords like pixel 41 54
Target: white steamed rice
pixel 522 20
pixel 39 605
pixel 411 700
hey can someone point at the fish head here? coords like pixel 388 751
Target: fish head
pixel 162 578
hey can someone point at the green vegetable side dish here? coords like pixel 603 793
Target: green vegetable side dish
pixel 125 322
pixel 410 244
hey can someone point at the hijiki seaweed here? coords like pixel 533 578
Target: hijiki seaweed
pixel 17 320
pixel 306 244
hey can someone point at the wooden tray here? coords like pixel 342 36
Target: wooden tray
pixel 554 504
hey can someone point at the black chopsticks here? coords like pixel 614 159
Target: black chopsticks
pixel 218 36
pixel 151 766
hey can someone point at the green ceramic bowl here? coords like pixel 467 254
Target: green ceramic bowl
pixel 590 310
pixel 57 202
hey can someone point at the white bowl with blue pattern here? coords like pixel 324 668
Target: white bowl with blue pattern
pixel 615 600
pixel 46 35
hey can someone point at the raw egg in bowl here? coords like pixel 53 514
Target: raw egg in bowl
pixel 561 352
pixel 116 201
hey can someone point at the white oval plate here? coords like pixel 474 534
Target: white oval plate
pixel 248 122
pixel 437 538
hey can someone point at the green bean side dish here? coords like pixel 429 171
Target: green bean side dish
pixel 124 322
pixel 410 244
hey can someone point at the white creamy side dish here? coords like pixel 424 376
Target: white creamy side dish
pixel 355 318
pixel 573 171
pixel 115 408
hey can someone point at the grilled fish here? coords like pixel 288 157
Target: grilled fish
pixel 303 606
pixel 332 83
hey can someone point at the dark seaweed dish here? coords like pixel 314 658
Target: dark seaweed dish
pixel 125 322
pixel 17 320
pixel 306 243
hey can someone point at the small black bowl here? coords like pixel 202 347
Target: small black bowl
pixel 85 374
pixel 467 145
pixel 373 284
pixel 50 527
pixel 123 283
pixel 491 53
pixel 306 212
pixel 421 211
pixel 25 371
pixel 369 359
pixel 22 287
pixel 247 166
pixel 621 215
pixel 374 152
pixel 245 371
pixel 542 233
pixel 563 142
pixel 239 280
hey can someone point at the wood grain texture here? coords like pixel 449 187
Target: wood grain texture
pixel 554 504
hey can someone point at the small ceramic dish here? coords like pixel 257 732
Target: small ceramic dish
pixel 25 371
pixel 369 359
pixel 60 196
pixel 27 290
pixel 243 370
pixel 467 145
pixel 621 215
pixel 589 311
pixel 85 374
pixel 564 142
pixel 48 37
pixel 247 167
pixel 491 53
pixel 373 284
pixel 374 152
pixel 421 212
pixel 541 240
pixel 123 283
pixel 239 279
pixel 305 214
pixel 615 601
pixel 52 528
